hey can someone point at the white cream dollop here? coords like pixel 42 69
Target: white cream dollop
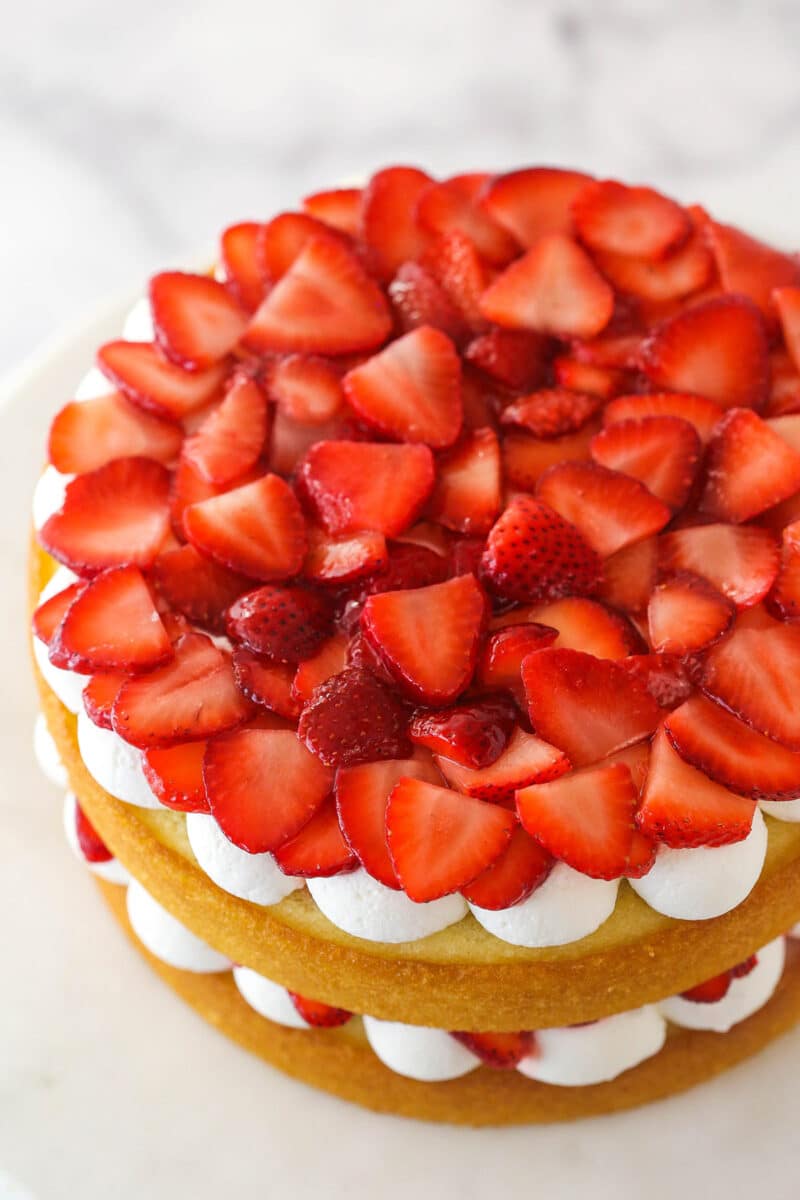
pixel 365 908
pixel 566 907
pixel 430 1055
pixel 47 756
pixel 67 685
pixel 580 1055
pixel 138 326
pixel 112 869
pixel 165 937
pixel 114 764
pixel 48 495
pixel 782 810
pixel 267 998
pixel 253 877
pixel 745 995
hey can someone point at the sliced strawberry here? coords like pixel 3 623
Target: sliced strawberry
pixel 589 377
pixel 324 304
pixel 319 1015
pixel 754 674
pixel 514 357
pixel 682 807
pixel 500 663
pixel 588 626
pixel 328 661
pixel 266 683
pixel 585 819
pixel 785 595
pixel 525 459
pixel 50 613
pixel 99 695
pixel 340 208
pixel 229 442
pixel 502 1051
pixel 788 427
pixel 263 786
pixel 319 849
pixel 112 625
pixel 335 561
pixel 663 453
pixel 419 299
pixel 787 302
pixel 551 413
pixel 411 390
pixel 749 267
pixel 784 391
pixel 634 221
pixel 291 440
pixel 257 529
pixel 664 677
pixel 388 217
pixel 87 434
pixel 467 493
pixel 439 841
pixel 730 752
pixel 700 412
pixel 717 349
pixel 610 350
pixel 629 576
pixel 554 289
pixel 743 969
pixel 451 205
pixel 353 486
pixel 284 623
pixel 521 868
pixel 188 486
pixel 682 273
pixel 588 707
pixel 741 561
pixel 239 255
pixel 525 760
pixel 611 510
pixel 687 614
pixel 175 775
pixel 117 515
pixel 197 321
pixel 306 389
pixel 283 239
pixel 473 735
pixel 92 846
pixel 141 372
pixel 532 553
pixel 711 991
pixel 190 698
pixel 534 201
pixel 197 587
pixel 353 718
pixel 454 262
pixel 750 467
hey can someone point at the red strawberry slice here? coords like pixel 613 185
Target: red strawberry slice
pixel 187 487
pixel 428 637
pixel 356 486
pixel 318 849
pixel 197 321
pixel 229 442
pixel 321 1016
pixel 362 794
pixel 700 412
pixel 784 392
pixel 588 626
pixel 717 349
pixel 787 302
pixel 353 718
pixel 50 613
pixel 419 299
pixel 263 786
pixel 588 707
pixel 750 467
pixel 611 510
pixel 467 493
pixel 730 752
pixel 749 267
pixel 141 372
pixel 117 515
pixel 663 453
pixel 336 561
pixel 92 846
pixel 190 698
pixel 629 576
pixel 388 218
pixel 474 735
pixel 197 587
pixel 585 819
pixel 500 663
pixel 340 208
pixel 439 841
pixel 551 413
pixel 284 238
pixel 785 595
pixel 451 206
pixel 87 434
pixel 664 677
pixel 458 268
pixel 175 775
pixel 257 529
pixel 743 969
pixel 306 389
pixel 589 377
pixel 740 561
pixel 283 623
pixel 99 695
pixel 328 661
pixel 411 390
pixel 513 357
pixel 112 625
pixel 711 991
pixel 532 553
pixel 682 273
pixel 754 674
pixel 239 256
pixel 611 350
pixel 324 304
pixel 534 201
pixel 502 1051
pixel 521 868
pixel 682 807
pixel 687 614
pixel 268 684
pixel 525 760
pixel 525 459
pixel 634 221
pixel 291 440
pixel 554 288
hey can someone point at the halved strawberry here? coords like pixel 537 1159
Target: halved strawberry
pixel 629 576
pixel 730 752
pixel 411 390
pixel 99 696
pixel 532 553
pixel 319 1015
pixel 239 255
pixel 339 207
pixel 749 267
pixel 454 262
pixel 190 698
pixel 263 786
pixel 711 991
pixel 526 759
pixel 521 868
pixel 353 486
pixel 664 676
pixel 551 413
pixel 428 637
pixel 683 807
pixel 754 674
pixel 141 372
pixel 451 205
pixel 319 849
pixel 699 411
pixel 335 561
pixel 229 442
pixel 50 613
pixel 467 495
pixel 588 707
pixel 750 467
pixel 717 349
pixel 266 683
pixel 117 515
pixel 502 1051
pixel 439 841
pixel 419 299
pixel 284 623
pixel 589 377
pixel 112 625
pixel 514 357
pixel 741 561
pixel 473 735
pixel 283 239
pixel 257 529
pixel 610 509
pixel 500 663
pixel 197 322
pixel 663 453
pixel 197 587
pixel 328 661
pixel 175 775
pixel 588 626
pixel 388 217
pixel 87 434
pixel 534 201
pixel 352 718
pixel 687 614
pixel 306 389
pixel 634 221
pixel 324 304
pixel 554 288
pixel 92 846
pixel 585 819
pixel 525 458
pixel 682 273
pixel 787 302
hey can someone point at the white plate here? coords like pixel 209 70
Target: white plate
pixel 109 1086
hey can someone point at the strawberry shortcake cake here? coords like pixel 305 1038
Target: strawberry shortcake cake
pixel 416 619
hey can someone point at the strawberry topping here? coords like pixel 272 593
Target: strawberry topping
pixel 112 625
pixel 353 718
pixel 87 434
pixel 501 1051
pixel 197 322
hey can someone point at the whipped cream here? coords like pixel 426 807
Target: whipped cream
pixel 112 869
pixel 267 998
pixel 114 764
pixel 253 877
pixel 745 995
pixel 48 495
pixel 568 906
pixel 580 1055
pixel 782 810
pixel 365 908
pixel 430 1055
pixel 47 756
pixel 138 325
pixel 67 685
pixel 165 937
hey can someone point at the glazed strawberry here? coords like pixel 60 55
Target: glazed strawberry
pixel 740 561
pixel 711 991
pixel 467 493
pixel 784 598
pixel 682 807
pixel 687 614
pixel 515 358
pixel 629 576
pixel 454 262
pixel 717 349
pixel 362 794
pixel 266 683
pixel 532 553
pixel 588 707
pixel 525 459
pixel 585 625
pixel 353 486
pixel 749 267
pixel 175 775
pixel 663 453
pixel 428 637
pixel 554 288
pixel 388 218
pixel 502 1051
pixel 284 623
pixel 99 695
pixel 318 849
pixel 664 677
pixel 50 613
pixel 752 674
pixel 334 561
pixel 787 303
pixel 525 760
pixel 681 274
pixel 141 372
pixel 534 201
pixel 552 412
pixel 324 304
pixel 440 841
pixel 257 529
pixel 411 390
pixel 329 660
pixel 87 434
pixel 197 587
pixel 521 868
pixel 352 718
pixel 306 389
pixel 750 468
pixel 117 515
pixel 500 663
pixel 263 786
pixel 112 625
pixel 585 819
pixel 229 442
pixel 197 321
pixel 92 846
pixel 473 735
pixel 610 509
pixel 419 299
pixel 699 411
pixel 321 1016
pixel 239 257
pixel 634 221
pixel 282 240
pixel 340 208
pixel 452 205
pixel 192 697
